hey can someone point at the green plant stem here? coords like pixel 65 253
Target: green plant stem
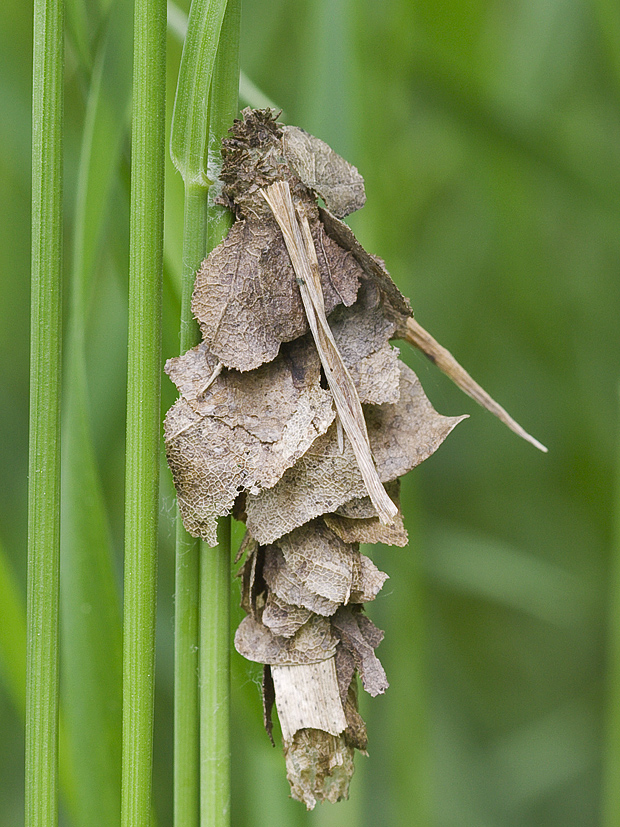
pixel 186 726
pixel 215 680
pixel 215 563
pixel 44 444
pixel 143 409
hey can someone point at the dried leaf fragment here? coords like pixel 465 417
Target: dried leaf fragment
pixel 360 636
pixel 325 172
pixel 286 582
pixel 313 643
pixel 243 432
pixel 284 619
pixel 246 299
pixel 324 478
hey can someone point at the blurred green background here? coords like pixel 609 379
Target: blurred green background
pixel 488 133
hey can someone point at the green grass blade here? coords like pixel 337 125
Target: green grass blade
pixel 249 93
pixel 186 606
pixel 143 409
pixel 92 666
pixel 189 135
pixel 44 446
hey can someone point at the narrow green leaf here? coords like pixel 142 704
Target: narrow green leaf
pixel 189 135
pixel 203 768
pixel 249 93
pixel 44 446
pixel 143 408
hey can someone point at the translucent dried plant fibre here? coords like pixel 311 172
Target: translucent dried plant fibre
pixel 296 414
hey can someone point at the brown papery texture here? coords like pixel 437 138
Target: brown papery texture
pixel 296 413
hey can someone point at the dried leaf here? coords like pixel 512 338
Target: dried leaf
pixel 337 181
pixel 284 619
pixel 287 584
pixel 345 669
pixel 246 298
pixel 367 581
pixel 321 560
pixel 361 333
pixel 356 522
pixel 370 530
pixel 401 436
pixel 355 734
pixel 247 573
pixel 313 643
pixel 307 697
pixel 319 766
pixel 301 248
pixel 359 635
pixel 372 266
pixel 242 433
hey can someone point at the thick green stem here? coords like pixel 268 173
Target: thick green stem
pixel 143 409
pixel 44 446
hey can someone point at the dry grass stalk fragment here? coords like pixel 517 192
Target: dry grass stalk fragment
pixel 296 412
pixel 445 361
pixel 300 246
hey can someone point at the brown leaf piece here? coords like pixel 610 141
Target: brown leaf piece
pixel 283 619
pixel 329 567
pixel 337 181
pixel 285 583
pixel 367 581
pixel 401 436
pixel 269 697
pixel 243 432
pixel 356 522
pixel 321 560
pixel 313 643
pixel 361 333
pixel 246 298
pixel 355 734
pixel 372 266
pixel 360 636
pixel 370 530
